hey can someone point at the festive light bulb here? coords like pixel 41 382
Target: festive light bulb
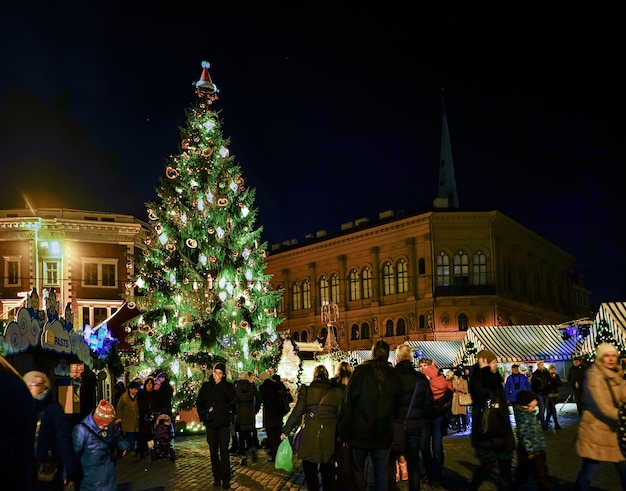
pixel 244 211
pixel 202 258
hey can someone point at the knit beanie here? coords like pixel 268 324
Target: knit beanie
pixel 605 349
pixel 524 397
pixel 104 414
pixel 220 366
pixel 487 355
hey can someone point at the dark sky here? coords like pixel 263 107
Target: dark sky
pixel 333 113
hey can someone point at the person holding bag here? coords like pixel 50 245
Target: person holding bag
pixel 319 404
pixel 603 390
pixel 413 382
pixel 494 444
pixel 53 441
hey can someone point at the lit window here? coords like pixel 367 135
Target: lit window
pixel 366 276
pixel 324 291
pixel 12 271
pixel 389 287
pixel 443 269
pixel 355 285
pixel 51 273
pixel 100 272
pixel 296 297
pixel 479 269
pixel 334 288
pixel 461 269
pixel 403 276
pixel 306 294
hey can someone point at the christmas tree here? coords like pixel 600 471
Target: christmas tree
pixel 604 334
pixel 201 282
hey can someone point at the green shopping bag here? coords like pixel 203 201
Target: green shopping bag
pixel 284 456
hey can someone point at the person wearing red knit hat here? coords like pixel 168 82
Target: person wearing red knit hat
pixel 93 438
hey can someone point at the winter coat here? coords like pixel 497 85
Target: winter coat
pixel 529 432
pixel 460 387
pixel 248 404
pixel 553 385
pixel 422 404
pixel 319 434
pixel 515 383
pixel 597 439
pixel 272 407
pixel 166 393
pixel 149 403
pixel 539 381
pixel 575 375
pixel 486 385
pixel 369 407
pixel 55 439
pixel 17 437
pixel 98 468
pixel 221 397
pixel 128 411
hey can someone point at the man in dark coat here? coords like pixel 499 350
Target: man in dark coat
pixel 371 402
pixel 166 392
pixel 539 384
pixel 418 415
pixel 494 445
pixel 214 403
pixel 272 413
pixel 17 438
pixel 575 379
pixel 248 404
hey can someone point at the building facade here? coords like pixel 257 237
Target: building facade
pixel 422 276
pixel 85 257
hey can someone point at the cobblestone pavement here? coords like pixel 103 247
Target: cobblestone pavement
pixel 191 469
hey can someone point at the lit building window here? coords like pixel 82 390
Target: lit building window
pixel 479 269
pixel 366 276
pixel 403 276
pixel 99 272
pixel 461 269
pixel 334 288
pixel 443 269
pixel 324 291
pixel 12 271
pixel 389 287
pixel 355 285
pixel 51 273
pixel 306 294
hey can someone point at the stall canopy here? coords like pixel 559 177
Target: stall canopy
pixel 116 323
pixel 443 352
pixel 522 344
pixel 614 313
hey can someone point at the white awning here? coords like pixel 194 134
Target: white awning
pixel 525 343
pixel 614 313
pixel 443 352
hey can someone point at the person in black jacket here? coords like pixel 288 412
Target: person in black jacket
pixel 148 404
pixel 539 384
pixel 248 404
pixel 496 447
pixel 575 379
pixel 418 415
pixel 214 403
pixel 52 436
pixel 273 413
pixel 166 393
pixel 371 402
pixel 17 438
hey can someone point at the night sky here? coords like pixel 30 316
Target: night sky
pixel 333 114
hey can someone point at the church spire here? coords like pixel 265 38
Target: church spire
pixel 447 196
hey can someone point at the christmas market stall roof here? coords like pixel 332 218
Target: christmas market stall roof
pixel 443 352
pixel 115 324
pixel 523 343
pixel 361 355
pixel 614 315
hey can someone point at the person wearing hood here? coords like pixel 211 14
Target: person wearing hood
pixel 603 390
pixel 52 433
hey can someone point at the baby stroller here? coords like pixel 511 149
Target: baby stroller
pixel 163 435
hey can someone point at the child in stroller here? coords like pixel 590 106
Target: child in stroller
pixel 163 436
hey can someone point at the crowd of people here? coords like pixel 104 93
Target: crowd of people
pixel 351 413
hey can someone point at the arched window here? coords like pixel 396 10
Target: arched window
pixel 366 276
pixel 365 331
pixel 389 328
pixel 463 322
pixel 306 294
pixel 403 276
pixel 461 269
pixel 479 269
pixel 304 336
pixel 296 296
pixel 323 334
pixel 334 288
pixel 443 269
pixel 281 304
pixel 354 332
pixel 421 266
pixel 324 291
pixel 401 327
pixel 295 336
pixel 355 285
pixel 389 280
